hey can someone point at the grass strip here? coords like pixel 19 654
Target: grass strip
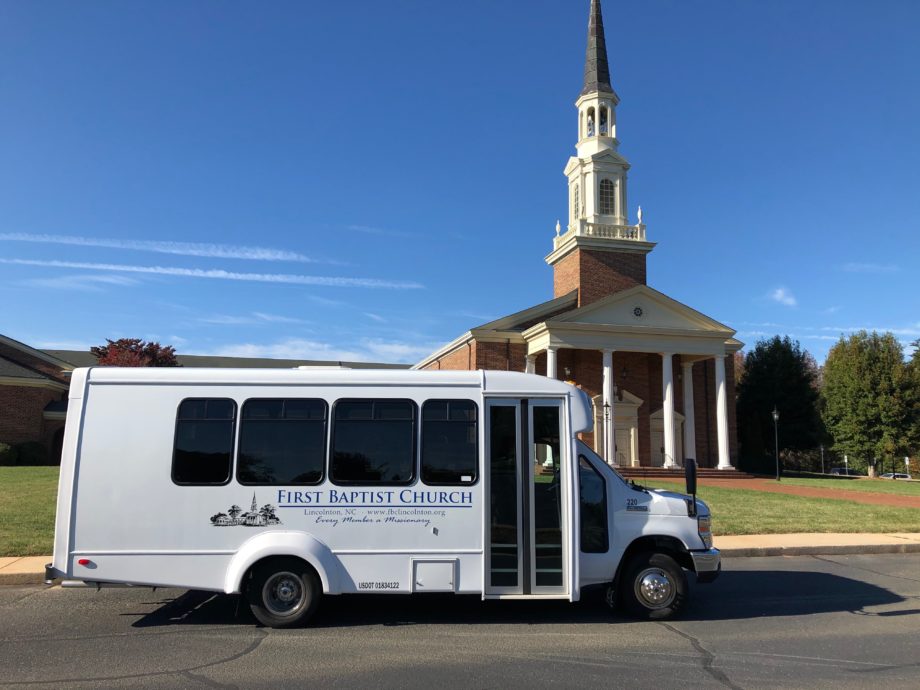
pixel 28 497
pixel 873 486
pixel 744 511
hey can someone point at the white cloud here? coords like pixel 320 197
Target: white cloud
pixel 784 296
pixel 82 283
pixel 276 318
pixel 218 251
pixel 832 310
pixel 369 350
pixel 63 345
pixel 375 317
pixel 220 274
pixel 249 319
pixel 856 267
pixel 291 348
pixel 325 302
pixel 395 351
pixel 371 230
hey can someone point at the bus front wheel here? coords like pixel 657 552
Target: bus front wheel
pixel 654 586
pixel 283 592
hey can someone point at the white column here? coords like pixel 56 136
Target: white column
pixel 689 417
pixel 530 366
pixel 725 461
pixel 610 454
pixel 667 397
pixel 551 362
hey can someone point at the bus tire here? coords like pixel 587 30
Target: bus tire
pixel 283 592
pixel 654 586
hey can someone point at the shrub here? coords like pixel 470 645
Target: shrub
pixel 32 453
pixel 8 454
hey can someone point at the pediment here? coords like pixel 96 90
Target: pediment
pixel 643 307
pixel 609 156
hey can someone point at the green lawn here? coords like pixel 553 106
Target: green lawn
pixel 741 511
pixel 876 486
pixel 27 502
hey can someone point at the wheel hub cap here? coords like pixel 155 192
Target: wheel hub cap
pixel 283 594
pixel 654 588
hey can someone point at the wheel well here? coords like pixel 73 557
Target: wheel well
pixel 659 544
pixel 247 576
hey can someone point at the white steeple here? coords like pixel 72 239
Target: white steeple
pixel 598 211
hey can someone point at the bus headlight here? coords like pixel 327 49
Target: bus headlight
pixel 704 527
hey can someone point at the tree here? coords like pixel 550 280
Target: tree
pixel 914 402
pixel 134 352
pixel 868 396
pixel 777 373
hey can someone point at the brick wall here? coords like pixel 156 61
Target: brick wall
pixel 461 359
pixel 704 403
pixel 21 409
pixel 502 356
pixel 597 274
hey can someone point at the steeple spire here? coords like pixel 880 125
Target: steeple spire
pixel 597 70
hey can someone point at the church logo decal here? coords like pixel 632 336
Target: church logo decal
pixel 254 517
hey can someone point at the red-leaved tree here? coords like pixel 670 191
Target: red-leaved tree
pixel 134 352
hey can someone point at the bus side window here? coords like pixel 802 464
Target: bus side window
pixel 203 447
pixel 593 491
pixel 373 441
pixel 450 442
pixel 282 442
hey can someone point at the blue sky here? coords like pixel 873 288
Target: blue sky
pixel 368 180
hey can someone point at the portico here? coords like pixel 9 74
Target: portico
pixel 643 320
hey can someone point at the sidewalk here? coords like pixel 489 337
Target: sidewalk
pixel 31 569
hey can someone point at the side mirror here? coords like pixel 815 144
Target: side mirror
pixel 690 475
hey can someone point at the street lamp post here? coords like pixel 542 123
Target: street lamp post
pixel 822 458
pixel 776 438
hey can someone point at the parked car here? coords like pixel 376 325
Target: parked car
pixel 846 472
pixel 894 475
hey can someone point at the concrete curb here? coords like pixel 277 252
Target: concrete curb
pixel 828 550
pixel 23 570
pixel 22 578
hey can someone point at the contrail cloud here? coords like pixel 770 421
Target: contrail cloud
pixel 219 274
pixel 217 251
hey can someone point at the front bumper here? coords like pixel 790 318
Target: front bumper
pixel 707 564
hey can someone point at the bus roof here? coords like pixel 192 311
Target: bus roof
pixel 496 382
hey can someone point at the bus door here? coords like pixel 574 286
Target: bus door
pixel 526 534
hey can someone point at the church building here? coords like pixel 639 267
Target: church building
pixel 660 373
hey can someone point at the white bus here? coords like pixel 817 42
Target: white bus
pixel 285 485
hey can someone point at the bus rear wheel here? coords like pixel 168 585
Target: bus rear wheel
pixel 283 592
pixel 654 586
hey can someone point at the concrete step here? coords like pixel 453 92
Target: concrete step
pixel 678 474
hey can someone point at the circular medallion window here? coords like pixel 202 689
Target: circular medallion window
pixel 637 312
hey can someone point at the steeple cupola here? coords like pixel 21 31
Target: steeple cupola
pixel 597 102
pixel 598 228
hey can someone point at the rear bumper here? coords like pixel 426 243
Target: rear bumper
pixel 707 564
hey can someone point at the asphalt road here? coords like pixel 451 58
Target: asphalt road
pixel 850 621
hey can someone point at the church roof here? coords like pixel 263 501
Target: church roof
pixel 14 370
pixel 522 320
pixel 597 69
